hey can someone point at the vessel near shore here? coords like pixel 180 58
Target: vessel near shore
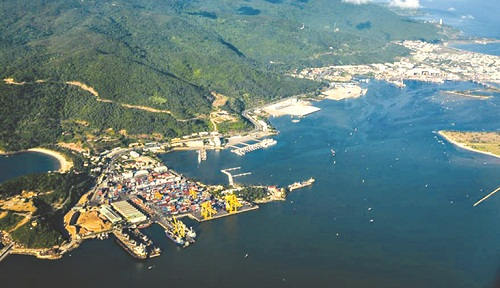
pixel 298 185
pixel 135 251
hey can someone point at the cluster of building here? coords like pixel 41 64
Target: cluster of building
pixel 454 64
pixel 427 62
pixel 198 140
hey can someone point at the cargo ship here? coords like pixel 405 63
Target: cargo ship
pixel 177 239
pixel 137 251
pixel 298 185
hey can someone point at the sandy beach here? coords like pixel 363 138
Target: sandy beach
pixel 463 146
pixel 63 162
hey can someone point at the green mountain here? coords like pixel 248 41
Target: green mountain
pixel 170 55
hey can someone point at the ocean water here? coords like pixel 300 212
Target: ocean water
pixel 390 167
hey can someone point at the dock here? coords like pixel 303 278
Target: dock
pixel 252 147
pixel 220 214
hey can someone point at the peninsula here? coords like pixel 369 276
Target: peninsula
pixel 481 142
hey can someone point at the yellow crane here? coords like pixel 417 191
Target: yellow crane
pixel 207 211
pixel 232 204
pixel 178 227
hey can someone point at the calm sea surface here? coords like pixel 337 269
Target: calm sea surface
pixel 393 208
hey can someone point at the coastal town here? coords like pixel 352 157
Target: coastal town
pixel 427 62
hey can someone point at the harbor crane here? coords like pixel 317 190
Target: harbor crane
pixel 232 204
pixel 178 228
pixel 207 211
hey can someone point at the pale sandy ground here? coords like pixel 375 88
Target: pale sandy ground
pixel 11 81
pixel 344 92
pixel 448 138
pixel 292 107
pixel 65 164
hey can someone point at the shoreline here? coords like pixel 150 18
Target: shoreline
pixel 458 144
pixel 64 164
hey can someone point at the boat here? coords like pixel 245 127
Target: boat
pixel 191 233
pixel 155 252
pixel 138 252
pixel 333 152
pixel 177 239
pixel 295 120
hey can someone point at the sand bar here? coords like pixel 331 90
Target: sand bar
pixel 65 164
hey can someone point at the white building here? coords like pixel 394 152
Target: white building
pixel 129 212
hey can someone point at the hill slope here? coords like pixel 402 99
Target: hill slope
pixel 170 55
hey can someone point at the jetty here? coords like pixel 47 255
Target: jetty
pixel 298 185
pixel 5 251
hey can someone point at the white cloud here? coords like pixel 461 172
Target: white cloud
pixel 356 1
pixel 410 4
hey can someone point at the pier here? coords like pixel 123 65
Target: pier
pixel 231 176
pixel 242 174
pixel 487 196
pixel 5 251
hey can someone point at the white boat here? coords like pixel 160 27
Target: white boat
pixel 191 233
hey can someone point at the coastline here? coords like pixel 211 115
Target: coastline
pixel 65 164
pixel 458 144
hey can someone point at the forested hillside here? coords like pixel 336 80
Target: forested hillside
pixel 170 55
